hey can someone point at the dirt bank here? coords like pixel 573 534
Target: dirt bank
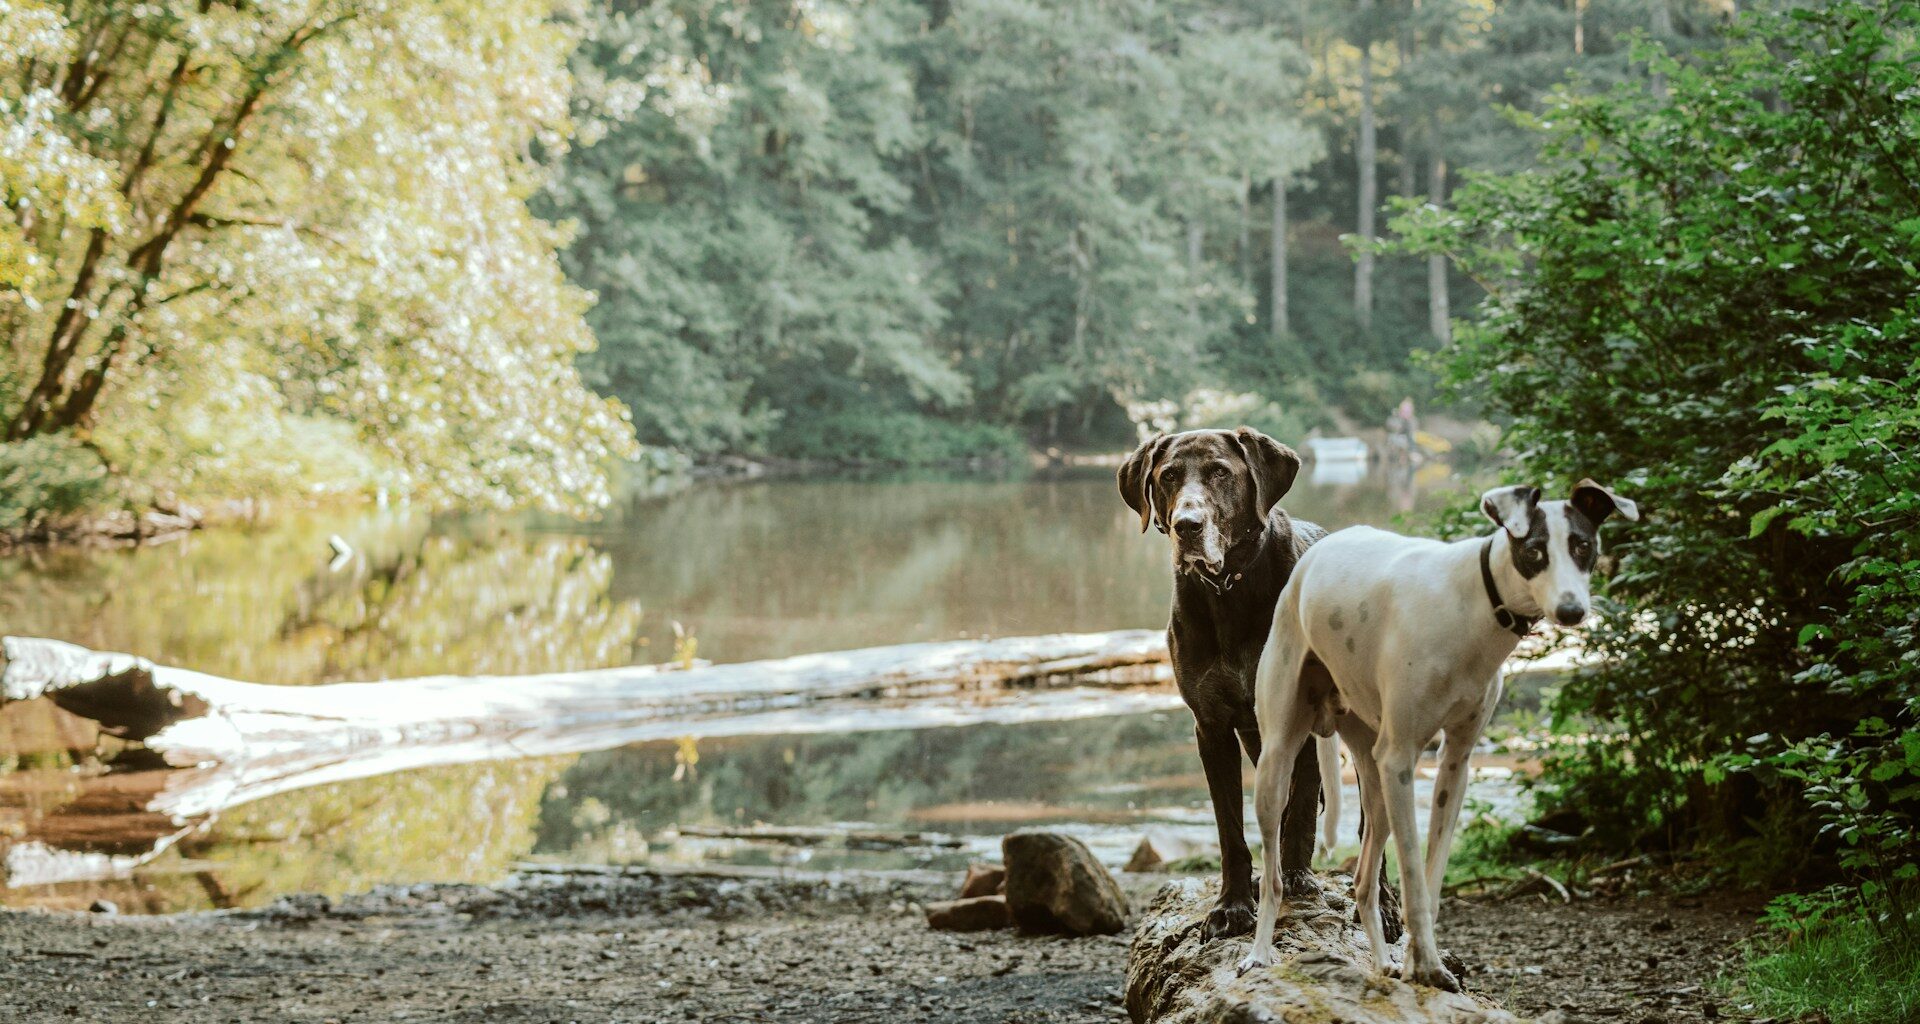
pixel 603 948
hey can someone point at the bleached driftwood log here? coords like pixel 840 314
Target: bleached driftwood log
pixel 252 740
pixel 1323 970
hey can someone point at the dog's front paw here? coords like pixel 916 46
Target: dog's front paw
pixel 1227 919
pixel 1435 976
pixel 1255 960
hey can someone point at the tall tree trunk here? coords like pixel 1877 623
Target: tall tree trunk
pixel 62 341
pixel 1367 155
pixel 1281 326
pixel 1579 27
pixel 1662 19
pixel 1246 229
pixel 1662 26
pixel 1196 242
pixel 1408 132
pixel 1439 304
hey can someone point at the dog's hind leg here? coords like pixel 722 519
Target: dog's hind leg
pixel 1328 748
pixel 1374 830
pixel 1296 858
pixel 1272 790
pixel 1285 723
pixel 1399 755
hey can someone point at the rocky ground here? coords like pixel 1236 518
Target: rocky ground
pixel 602 948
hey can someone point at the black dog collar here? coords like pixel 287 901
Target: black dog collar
pixel 1508 621
pixel 1230 576
pixel 1219 586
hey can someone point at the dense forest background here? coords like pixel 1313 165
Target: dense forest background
pixel 414 248
pixel 874 230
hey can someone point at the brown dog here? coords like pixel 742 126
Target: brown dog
pixel 1216 494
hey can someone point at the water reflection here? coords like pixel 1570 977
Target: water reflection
pixel 768 569
pixel 1108 780
pixel 751 570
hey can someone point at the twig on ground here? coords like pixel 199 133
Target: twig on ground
pixel 1630 862
pixel 1565 896
pixel 1476 880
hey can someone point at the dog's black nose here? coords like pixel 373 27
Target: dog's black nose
pixel 1186 524
pixel 1569 613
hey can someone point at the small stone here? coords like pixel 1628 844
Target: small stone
pixel 983 880
pixel 976 914
pixel 1158 849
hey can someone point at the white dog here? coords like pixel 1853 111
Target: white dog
pixel 1389 640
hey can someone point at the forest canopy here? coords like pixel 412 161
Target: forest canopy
pixel 433 250
pixel 869 230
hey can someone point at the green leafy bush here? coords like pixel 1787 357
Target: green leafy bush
pixel 1708 299
pixel 47 477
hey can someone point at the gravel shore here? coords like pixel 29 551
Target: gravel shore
pixel 597 947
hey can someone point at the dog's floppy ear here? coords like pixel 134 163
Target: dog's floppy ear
pixel 1136 476
pixel 1596 502
pixel 1512 508
pixel 1274 466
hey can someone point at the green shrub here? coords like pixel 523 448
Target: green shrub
pixel 1708 299
pixel 896 438
pixel 48 477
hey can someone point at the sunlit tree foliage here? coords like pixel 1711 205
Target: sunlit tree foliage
pixel 260 247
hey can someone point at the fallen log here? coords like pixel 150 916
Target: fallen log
pixel 1322 970
pixel 193 719
pixel 232 742
pixel 853 839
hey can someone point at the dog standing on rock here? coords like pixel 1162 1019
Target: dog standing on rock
pixel 1389 640
pixel 1216 493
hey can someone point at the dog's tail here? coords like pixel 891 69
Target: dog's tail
pixel 1329 750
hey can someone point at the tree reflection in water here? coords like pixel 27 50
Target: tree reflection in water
pixel 413 601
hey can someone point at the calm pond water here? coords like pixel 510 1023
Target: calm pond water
pixel 728 572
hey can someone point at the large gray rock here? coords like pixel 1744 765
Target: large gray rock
pixel 1322 971
pixel 1054 884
